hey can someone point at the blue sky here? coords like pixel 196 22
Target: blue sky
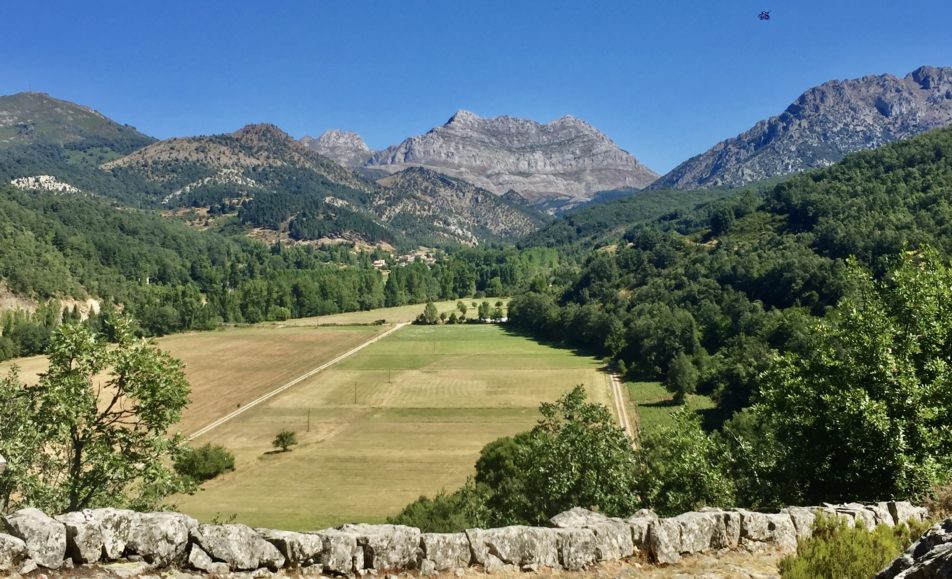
pixel 665 79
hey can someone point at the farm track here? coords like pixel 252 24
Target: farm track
pixel 621 409
pixel 267 396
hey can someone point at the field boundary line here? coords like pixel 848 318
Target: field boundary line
pixel 621 409
pixel 268 395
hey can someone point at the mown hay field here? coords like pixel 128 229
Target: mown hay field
pixel 405 416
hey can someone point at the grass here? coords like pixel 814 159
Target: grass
pixel 390 315
pixel 236 365
pixel 406 416
pixel 654 404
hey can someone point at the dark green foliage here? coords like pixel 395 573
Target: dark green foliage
pixel 681 377
pixel 205 462
pixel 447 513
pixel 839 551
pixel 877 382
pixel 284 440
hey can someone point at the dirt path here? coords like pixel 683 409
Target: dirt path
pixel 298 380
pixel 621 409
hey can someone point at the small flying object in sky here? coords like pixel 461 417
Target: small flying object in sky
pixel 765 15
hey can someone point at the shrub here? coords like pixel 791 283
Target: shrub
pixel 284 440
pixel 446 513
pixel 835 550
pixel 939 501
pixel 205 462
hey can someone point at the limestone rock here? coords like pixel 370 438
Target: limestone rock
pixel 822 126
pixel 446 551
pixel 697 531
pixel 904 511
pixel 664 541
pixel 929 557
pixel 238 546
pixel 12 552
pixel 640 522
pixel 116 527
pixel 84 539
pixel 45 537
pixel 613 536
pixel 577 548
pixel 386 546
pixel 802 518
pixel 564 159
pixel 342 147
pixel 577 517
pixel 299 549
pixel 160 538
pixel 759 529
pixel 199 560
pixel 516 545
pixel 341 555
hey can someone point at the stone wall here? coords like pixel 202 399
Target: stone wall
pixel 575 540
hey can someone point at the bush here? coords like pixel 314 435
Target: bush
pixel 205 463
pixel 447 513
pixel 835 550
pixel 939 501
pixel 284 440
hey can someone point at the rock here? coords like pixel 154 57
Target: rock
pixel 727 533
pixel 115 525
pixel 341 555
pixel 802 518
pixel 577 548
pixel 298 549
pixel 238 546
pixel 45 537
pixel 199 560
pixel 342 147
pixel 760 528
pixel 387 546
pixel 697 531
pixel 881 514
pixel 862 516
pixel 577 517
pixel 12 552
pixel 160 538
pixel 639 524
pixel 566 158
pixel 904 511
pixel 664 541
pixel 823 125
pixel 446 551
pixel 28 567
pixel 427 568
pixel 929 557
pixel 516 545
pixel 84 539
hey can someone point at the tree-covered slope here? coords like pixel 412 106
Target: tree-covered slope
pixel 702 300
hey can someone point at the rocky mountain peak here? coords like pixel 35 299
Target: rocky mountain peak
pixel 823 125
pixel 565 160
pixel 343 147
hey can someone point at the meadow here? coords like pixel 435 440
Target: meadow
pixel 406 416
pixel 653 404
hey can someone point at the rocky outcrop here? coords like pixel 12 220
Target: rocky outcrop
pixel 576 540
pixel 342 147
pixel 928 558
pixel 822 126
pixel 566 159
pixel 44 537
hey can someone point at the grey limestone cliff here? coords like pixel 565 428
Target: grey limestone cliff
pixel 823 125
pixel 565 159
pixel 343 147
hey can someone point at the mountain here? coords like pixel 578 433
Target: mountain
pixel 421 199
pixel 566 160
pixel 823 125
pixel 31 118
pixel 343 147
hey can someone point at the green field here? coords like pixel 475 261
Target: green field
pixel 404 417
pixel 653 404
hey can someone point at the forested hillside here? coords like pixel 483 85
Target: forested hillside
pixel 702 298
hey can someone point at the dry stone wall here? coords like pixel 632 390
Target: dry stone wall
pixel 575 540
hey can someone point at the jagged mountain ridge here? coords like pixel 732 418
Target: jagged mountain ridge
pixel 565 159
pixel 822 126
pixel 276 183
pixel 345 148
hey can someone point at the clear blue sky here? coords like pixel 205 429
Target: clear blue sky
pixel 664 78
